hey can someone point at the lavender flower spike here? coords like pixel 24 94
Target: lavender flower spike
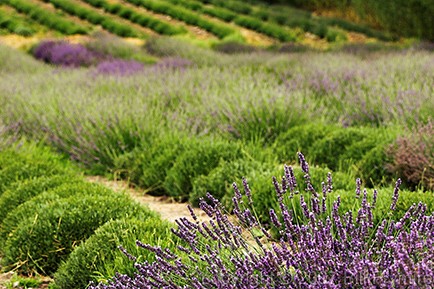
pixel 395 194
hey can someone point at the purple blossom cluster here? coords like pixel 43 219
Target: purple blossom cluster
pixel 119 67
pixel 326 250
pixel 65 54
pixel 173 63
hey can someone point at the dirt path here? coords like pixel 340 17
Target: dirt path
pixel 168 209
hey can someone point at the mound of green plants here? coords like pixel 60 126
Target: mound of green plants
pixel 39 244
pixel 198 157
pixel 21 191
pixel 47 18
pixel 29 161
pixel 28 210
pixel 98 258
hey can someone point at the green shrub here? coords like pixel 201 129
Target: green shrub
pixel 21 191
pixel 329 150
pixel 300 138
pixel 28 162
pixel 147 165
pixel 40 244
pixel 199 157
pixel 28 210
pixel 98 259
pixel 219 181
pixel 373 166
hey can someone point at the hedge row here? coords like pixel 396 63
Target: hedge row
pixel 269 29
pixel 48 211
pixel 94 17
pixel 142 19
pixel 185 15
pixel 47 18
pixel 15 25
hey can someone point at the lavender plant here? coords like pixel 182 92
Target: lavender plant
pixel 65 54
pixel 331 250
pixel 119 67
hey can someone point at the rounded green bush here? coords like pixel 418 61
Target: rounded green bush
pixel 147 166
pixel 219 181
pixel 29 209
pixel 199 157
pixel 98 258
pixel 300 138
pixel 40 244
pixel 329 149
pixel 19 192
pixel 28 162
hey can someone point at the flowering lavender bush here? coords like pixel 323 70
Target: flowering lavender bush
pixel 331 250
pixel 173 63
pixel 119 67
pixel 65 54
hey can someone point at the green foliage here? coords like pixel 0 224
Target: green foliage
pixel 21 191
pixel 300 138
pixel 28 209
pixel 24 282
pixel 219 181
pixel 384 200
pixel 16 25
pixel 139 18
pixel 199 157
pixel 185 15
pixel 98 258
pixel 269 29
pixel 47 18
pixel 94 17
pixel 415 16
pixel 264 194
pixel 148 165
pixel 333 146
pixel 30 161
pixel 41 243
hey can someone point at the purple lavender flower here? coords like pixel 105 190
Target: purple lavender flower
pixel 65 54
pixel 326 251
pixel 119 67
pixel 173 63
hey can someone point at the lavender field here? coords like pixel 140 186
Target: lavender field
pixel 185 121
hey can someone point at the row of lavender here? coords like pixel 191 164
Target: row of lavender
pixel 54 223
